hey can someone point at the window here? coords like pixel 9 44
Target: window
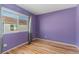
pixel 23 23
pixel 14 21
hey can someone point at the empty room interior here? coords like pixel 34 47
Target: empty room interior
pixel 39 28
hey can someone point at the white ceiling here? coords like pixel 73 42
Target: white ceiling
pixel 38 9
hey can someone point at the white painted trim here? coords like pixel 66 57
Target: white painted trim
pixel 58 42
pixel 15 47
pixel 13 11
pixel 15 32
pixel 43 40
pixel 34 39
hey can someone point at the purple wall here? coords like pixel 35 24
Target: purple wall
pixel 16 8
pixel 34 23
pixel 15 39
pixel 77 26
pixel 58 26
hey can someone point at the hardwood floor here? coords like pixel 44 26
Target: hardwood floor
pixel 44 47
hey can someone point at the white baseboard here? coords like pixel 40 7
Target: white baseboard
pixel 66 44
pixel 15 47
pixel 43 40
pixel 34 39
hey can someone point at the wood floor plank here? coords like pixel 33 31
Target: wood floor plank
pixel 44 47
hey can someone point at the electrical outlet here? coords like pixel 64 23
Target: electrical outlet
pixel 5 45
